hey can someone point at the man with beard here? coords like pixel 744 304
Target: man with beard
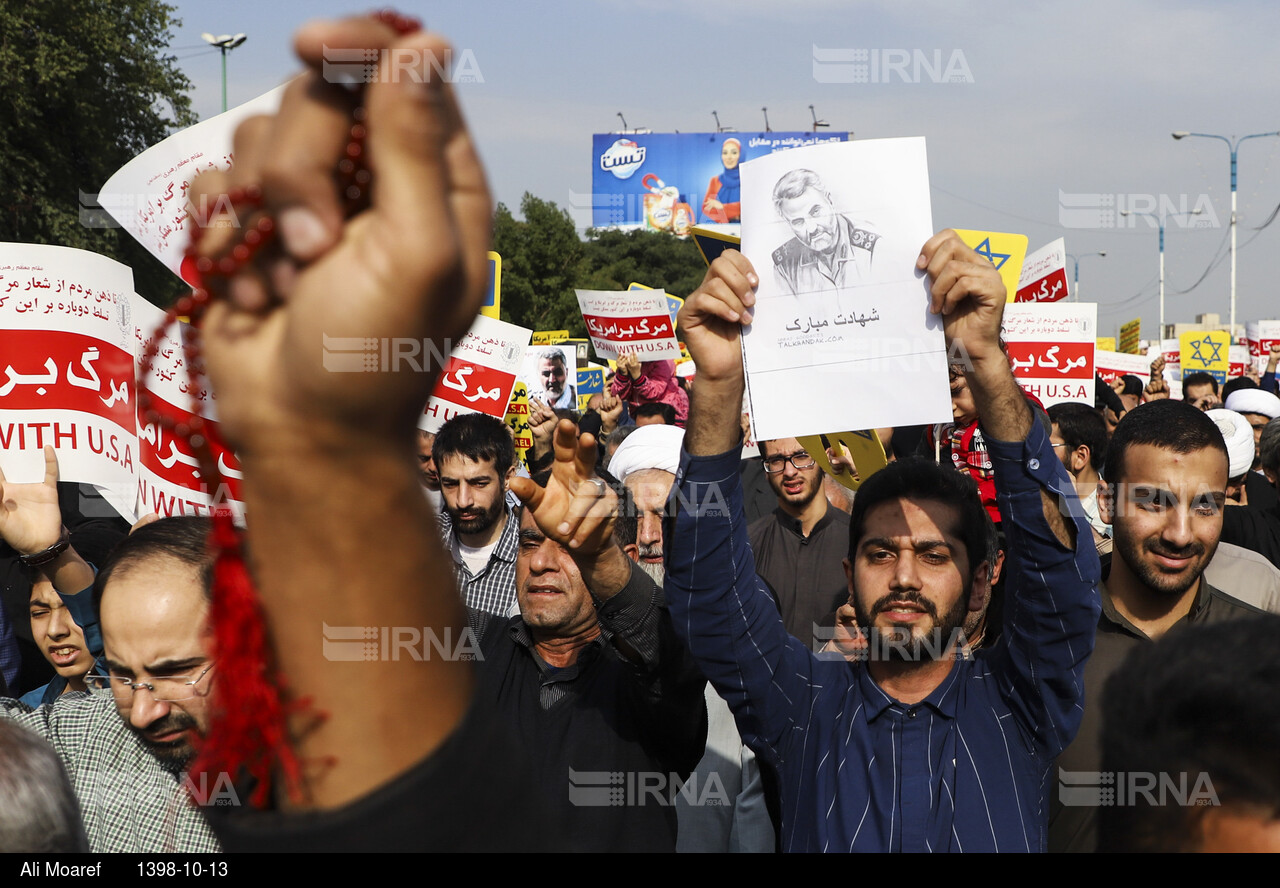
pixel 475 459
pixel 1166 488
pixel 916 749
pixel 126 749
pixel 553 374
pixel 799 548
pixel 646 464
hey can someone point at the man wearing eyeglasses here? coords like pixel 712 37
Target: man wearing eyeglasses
pixel 800 548
pixel 127 748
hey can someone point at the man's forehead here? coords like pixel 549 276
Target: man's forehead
pixel 1195 471
pixel 457 465
pixel 650 485
pixel 913 519
pixel 782 447
pixel 155 609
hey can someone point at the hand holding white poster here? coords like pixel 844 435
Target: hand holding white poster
pixel 842 337
pixel 634 322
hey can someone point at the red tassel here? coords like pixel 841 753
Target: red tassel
pixel 249 730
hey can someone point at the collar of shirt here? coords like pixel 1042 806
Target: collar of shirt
pixel 521 635
pixel 793 524
pixel 1199 610
pixel 875 701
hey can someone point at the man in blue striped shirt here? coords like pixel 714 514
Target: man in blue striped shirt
pixel 922 747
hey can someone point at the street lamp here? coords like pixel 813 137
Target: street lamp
pixel 1182 134
pixel 226 43
pixel 816 122
pixel 1075 287
pixel 767 128
pixel 1160 225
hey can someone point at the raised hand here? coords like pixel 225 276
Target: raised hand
pixel 411 265
pixel 629 364
pixel 967 292
pixel 30 518
pixel 576 508
pixel 709 320
pixel 610 412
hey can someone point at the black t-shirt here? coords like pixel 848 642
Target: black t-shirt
pixel 475 793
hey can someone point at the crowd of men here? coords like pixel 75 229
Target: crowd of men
pixel 1031 630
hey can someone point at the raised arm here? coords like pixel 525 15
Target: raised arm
pixel 339 532
pixel 1052 605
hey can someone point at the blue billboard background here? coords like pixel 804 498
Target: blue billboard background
pixel 626 167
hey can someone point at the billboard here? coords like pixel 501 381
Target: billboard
pixel 673 181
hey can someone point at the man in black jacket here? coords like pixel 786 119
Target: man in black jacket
pixel 591 676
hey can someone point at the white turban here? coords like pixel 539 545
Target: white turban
pixel 648 447
pixel 1238 434
pixel 1254 400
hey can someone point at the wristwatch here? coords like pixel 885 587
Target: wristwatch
pixel 49 554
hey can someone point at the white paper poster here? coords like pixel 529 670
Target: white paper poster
pixel 1044 274
pixel 1051 348
pixel 66 368
pixel 842 337
pixel 629 322
pixel 148 195
pixel 480 375
pixel 169 478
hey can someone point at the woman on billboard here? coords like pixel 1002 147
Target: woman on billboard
pixel 723 194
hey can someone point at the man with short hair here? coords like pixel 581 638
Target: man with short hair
pixel 1200 390
pixel 655 413
pixel 916 749
pixel 800 547
pixel 1193 724
pixel 127 749
pixel 38 810
pixel 553 374
pixel 590 675
pixel 1164 499
pixel 475 458
pixel 828 252
pixel 1079 438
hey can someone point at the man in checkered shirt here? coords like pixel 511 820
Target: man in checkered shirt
pixel 475 458
pixel 126 748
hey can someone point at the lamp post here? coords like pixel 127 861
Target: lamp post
pixel 816 122
pixel 767 128
pixel 225 43
pixel 1234 146
pixel 1160 226
pixel 1075 286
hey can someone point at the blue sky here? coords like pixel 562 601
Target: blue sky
pixel 1075 98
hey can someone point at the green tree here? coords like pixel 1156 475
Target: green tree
pixel 85 85
pixel 656 259
pixel 541 261
pixel 544 261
